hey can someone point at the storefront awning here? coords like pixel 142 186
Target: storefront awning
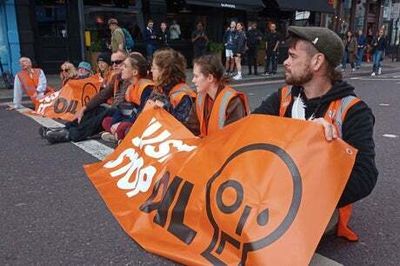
pixel 307 5
pixel 249 5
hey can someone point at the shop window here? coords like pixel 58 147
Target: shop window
pixel 50 17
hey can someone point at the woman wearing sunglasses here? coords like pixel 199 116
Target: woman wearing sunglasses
pixel 67 72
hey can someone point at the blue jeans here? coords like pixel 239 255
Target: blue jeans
pixel 376 59
pixel 346 59
pixel 150 49
pixel 271 60
pixel 360 55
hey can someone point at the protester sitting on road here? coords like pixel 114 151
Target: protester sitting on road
pixel 168 69
pixel 134 69
pixel 31 81
pixel 217 105
pixel 68 72
pixel 88 121
pixel 84 70
pixel 104 66
pixel 315 91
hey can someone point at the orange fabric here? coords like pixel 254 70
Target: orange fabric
pixel 29 83
pixel 343 230
pixel 134 92
pixel 218 111
pixel 286 98
pixel 244 196
pixel 178 92
pixel 63 104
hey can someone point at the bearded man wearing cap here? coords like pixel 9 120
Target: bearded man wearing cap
pixel 315 91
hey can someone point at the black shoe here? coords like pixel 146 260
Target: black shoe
pixel 57 136
pixel 43 130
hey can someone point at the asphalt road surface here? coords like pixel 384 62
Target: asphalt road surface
pixel 51 214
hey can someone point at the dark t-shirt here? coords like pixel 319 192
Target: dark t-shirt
pixel 200 42
pixel 272 38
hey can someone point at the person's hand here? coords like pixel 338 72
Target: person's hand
pixel 150 104
pixel 78 115
pixel 329 129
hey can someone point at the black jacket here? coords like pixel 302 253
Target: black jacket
pixel 357 130
pixel 239 42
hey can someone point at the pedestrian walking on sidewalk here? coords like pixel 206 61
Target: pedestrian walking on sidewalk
pixel 254 37
pixel 229 37
pixel 350 50
pixel 378 46
pixel 271 50
pixel 239 50
pixel 117 36
pixel 361 45
pixel 199 40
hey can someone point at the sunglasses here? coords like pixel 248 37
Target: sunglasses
pixel 64 70
pixel 117 62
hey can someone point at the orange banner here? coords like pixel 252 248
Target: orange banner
pixel 260 191
pixel 63 104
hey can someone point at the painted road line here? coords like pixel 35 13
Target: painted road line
pixel 390 136
pixel 379 79
pixel 258 83
pixel 100 151
pixel 384 104
pixel 93 147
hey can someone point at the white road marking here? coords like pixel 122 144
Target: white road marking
pixel 378 79
pixel 390 136
pixel 384 104
pixel 93 147
pixel 100 151
pixel 258 83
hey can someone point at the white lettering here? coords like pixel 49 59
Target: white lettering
pixel 143 176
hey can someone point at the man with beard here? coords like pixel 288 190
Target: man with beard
pixel 88 121
pixel 315 91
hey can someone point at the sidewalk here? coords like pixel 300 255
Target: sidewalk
pixel 365 70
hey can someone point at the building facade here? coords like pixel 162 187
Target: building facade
pixel 53 31
pixel 9 38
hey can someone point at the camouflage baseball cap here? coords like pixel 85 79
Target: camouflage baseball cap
pixel 323 39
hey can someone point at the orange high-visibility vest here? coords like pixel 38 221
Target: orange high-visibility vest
pixel 178 92
pixel 134 92
pixel 218 111
pixel 29 82
pixel 335 114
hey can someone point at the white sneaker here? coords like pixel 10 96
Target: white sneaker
pixel 353 69
pixel 108 137
pixel 379 71
pixel 373 74
pixel 237 77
